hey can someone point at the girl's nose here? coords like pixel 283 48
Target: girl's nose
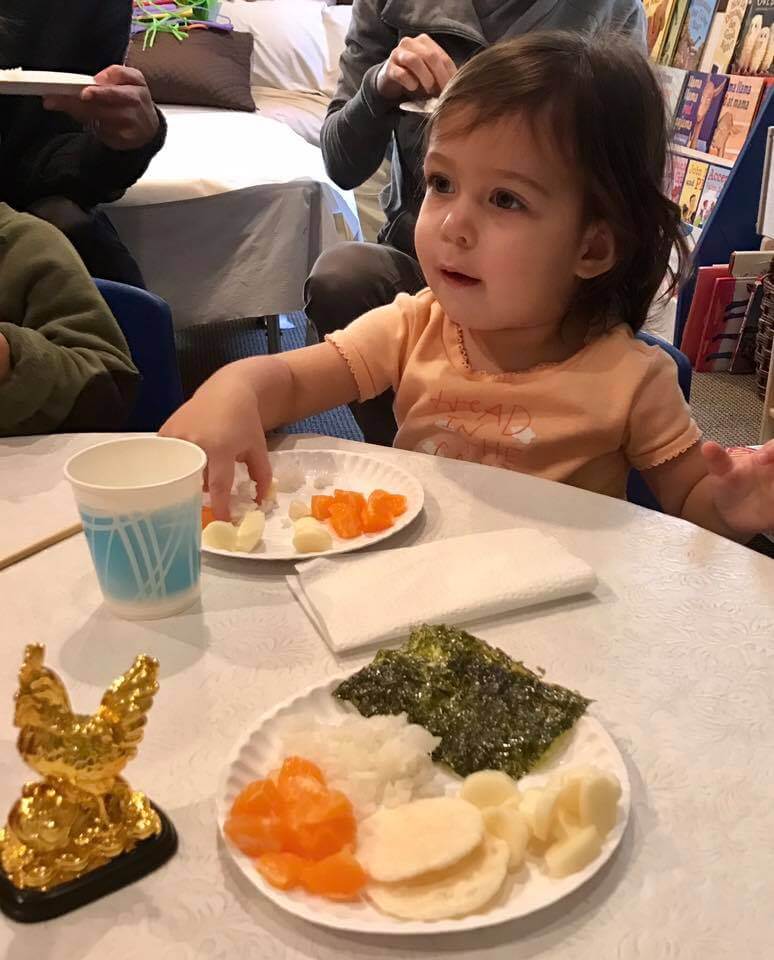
pixel 457 227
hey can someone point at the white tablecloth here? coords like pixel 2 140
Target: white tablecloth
pixel 231 215
pixel 676 651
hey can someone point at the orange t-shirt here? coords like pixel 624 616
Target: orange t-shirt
pixel 615 404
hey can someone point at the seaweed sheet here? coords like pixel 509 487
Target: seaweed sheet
pixel 490 711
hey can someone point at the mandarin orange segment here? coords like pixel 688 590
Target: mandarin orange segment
pixel 300 767
pixel 352 497
pixel 258 798
pixel 338 877
pixel 318 840
pixel 281 870
pixel 345 520
pixel 207 516
pixel 300 793
pixel 321 507
pixel 376 517
pixel 396 503
pixel 255 835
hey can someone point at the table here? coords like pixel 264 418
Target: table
pixel 676 650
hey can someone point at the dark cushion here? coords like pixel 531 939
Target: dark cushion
pixel 210 68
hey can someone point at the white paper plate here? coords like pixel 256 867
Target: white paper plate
pixel 419 106
pixel 39 83
pixel 349 471
pixel 529 890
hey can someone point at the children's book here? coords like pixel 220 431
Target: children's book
pixel 677 169
pixel 708 111
pixel 697 315
pixel 713 185
pixel 737 113
pixel 672 82
pixel 690 195
pixel 688 108
pixel 658 13
pixel 694 33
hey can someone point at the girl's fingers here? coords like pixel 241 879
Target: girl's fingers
pixel 765 456
pixel 718 461
pixel 259 469
pixel 220 474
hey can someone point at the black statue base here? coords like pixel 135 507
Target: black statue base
pixel 32 906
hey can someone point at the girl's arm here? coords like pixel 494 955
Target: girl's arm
pixel 229 414
pixel 732 496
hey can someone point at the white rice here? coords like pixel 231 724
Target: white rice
pixel 375 761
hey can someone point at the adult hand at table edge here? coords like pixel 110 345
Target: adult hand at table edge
pixel 222 418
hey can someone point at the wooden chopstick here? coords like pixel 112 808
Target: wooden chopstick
pixel 40 545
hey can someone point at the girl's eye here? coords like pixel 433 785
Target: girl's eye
pixel 439 184
pixel 506 201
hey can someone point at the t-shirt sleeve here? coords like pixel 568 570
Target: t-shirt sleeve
pixel 660 423
pixel 376 345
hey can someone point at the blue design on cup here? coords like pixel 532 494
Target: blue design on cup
pixel 142 557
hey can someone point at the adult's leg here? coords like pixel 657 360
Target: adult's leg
pixel 346 281
pixel 93 236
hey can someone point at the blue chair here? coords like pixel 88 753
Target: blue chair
pixel 146 322
pixel 637 491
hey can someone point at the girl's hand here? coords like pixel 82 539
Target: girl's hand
pixel 742 487
pixel 223 419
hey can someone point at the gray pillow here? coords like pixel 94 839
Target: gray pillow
pixel 210 68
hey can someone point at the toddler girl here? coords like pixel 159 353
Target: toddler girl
pixel 544 236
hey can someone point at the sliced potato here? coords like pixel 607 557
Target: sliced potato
pixel 310 536
pixel 454 892
pixel 564 824
pixel 598 798
pixel 404 842
pixel 488 788
pixel 538 807
pixel 573 854
pixel 298 509
pixel 219 535
pixel 250 531
pixel 507 823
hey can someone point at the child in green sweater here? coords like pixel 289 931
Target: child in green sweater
pixel 64 363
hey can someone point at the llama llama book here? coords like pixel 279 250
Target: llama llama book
pixel 693 36
pixel 737 113
pixel 708 111
pixel 688 108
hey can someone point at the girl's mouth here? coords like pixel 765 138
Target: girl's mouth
pixel 459 279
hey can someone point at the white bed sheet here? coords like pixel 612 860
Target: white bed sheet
pixel 231 215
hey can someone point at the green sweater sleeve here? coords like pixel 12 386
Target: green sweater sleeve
pixel 70 364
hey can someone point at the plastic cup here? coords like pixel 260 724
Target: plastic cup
pixel 140 501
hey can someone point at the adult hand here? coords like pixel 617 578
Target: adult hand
pixel 743 487
pixel 223 419
pixel 417 65
pixel 119 105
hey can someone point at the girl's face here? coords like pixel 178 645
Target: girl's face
pixel 500 236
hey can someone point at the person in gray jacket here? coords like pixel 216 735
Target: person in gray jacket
pixel 401 50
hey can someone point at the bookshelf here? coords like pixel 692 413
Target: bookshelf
pixel 698 155
pixel 732 224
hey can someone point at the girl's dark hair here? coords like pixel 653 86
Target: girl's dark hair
pixel 604 106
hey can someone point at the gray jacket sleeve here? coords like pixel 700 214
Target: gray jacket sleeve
pixel 358 125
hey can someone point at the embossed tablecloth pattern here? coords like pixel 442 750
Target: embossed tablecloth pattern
pixel 676 651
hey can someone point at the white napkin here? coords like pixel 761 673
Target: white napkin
pixel 356 600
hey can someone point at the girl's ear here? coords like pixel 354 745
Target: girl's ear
pixel 597 252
